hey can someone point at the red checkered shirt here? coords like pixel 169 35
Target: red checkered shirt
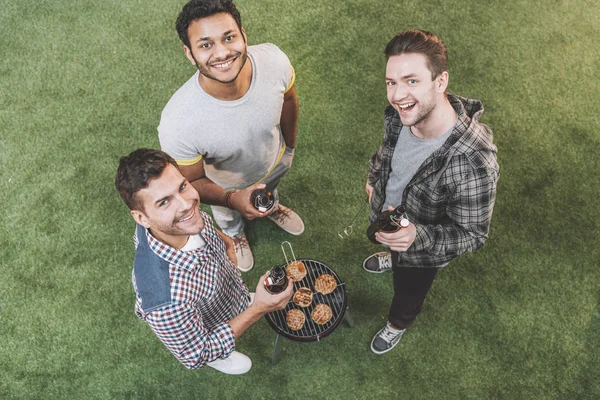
pixel 207 291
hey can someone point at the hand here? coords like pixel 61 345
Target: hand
pixel 267 302
pixel 369 190
pixel 400 240
pixel 240 201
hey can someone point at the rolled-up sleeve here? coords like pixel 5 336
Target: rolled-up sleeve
pixel 181 328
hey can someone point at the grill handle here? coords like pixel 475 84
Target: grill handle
pixel 287 261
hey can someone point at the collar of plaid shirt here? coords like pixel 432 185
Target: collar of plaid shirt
pixel 182 259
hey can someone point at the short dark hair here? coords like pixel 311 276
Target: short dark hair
pixel 196 9
pixel 421 42
pixel 135 172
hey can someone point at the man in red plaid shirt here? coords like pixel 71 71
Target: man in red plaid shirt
pixel 188 288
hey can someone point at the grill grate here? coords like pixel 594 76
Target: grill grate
pixel 311 331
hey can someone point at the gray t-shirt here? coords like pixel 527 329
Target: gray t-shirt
pixel 239 140
pixel 410 152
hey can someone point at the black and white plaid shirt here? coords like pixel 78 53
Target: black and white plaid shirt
pixel 207 291
pixel 451 197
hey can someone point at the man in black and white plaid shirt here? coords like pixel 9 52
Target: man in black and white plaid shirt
pixel 188 288
pixel 439 162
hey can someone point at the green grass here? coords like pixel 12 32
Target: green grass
pixel 82 83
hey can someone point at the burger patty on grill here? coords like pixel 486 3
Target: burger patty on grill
pixel 295 319
pixel 321 314
pixel 325 284
pixel 296 270
pixel 303 297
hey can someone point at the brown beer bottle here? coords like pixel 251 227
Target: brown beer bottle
pixel 262 199
pixel 388 221
pixel 276 281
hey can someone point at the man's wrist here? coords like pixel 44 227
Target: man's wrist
pixel 257 310
pixel 228 195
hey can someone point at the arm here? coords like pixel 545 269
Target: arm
pixel 470 212
pixel 374 168
pixel 289 117
pixel 369 190
pixel 180 327
pixel 211 193
pixel 264 302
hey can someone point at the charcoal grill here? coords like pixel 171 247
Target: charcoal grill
pixel 311 331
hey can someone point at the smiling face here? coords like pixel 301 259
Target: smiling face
pixel 217 47
pixel 170 208
pixel 410 89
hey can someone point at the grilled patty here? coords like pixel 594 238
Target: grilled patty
pixel 325 284
pixel 321 314
pixel 294 319
pixel 296 270
pixel 303 297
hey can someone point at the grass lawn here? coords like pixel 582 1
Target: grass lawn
pixel 83 82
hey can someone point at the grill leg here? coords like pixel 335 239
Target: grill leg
pixel 348 318
pixel 276 349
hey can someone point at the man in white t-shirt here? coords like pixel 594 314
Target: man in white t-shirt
pixel 232 126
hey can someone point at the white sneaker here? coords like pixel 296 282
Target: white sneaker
pixel 245 259
pixel 236 364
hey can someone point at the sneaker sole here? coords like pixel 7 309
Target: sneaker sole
pixel 290 232
pixel 247 269
pixel 293 233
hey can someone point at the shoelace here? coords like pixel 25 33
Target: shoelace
pixel 385 261
pixel 388 335
pixel 281 214
pixel 240 244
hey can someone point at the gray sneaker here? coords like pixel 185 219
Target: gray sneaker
pixel 378 262
pixel 386 339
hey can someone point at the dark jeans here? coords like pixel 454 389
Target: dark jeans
pixel 410 289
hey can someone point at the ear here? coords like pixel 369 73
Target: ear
pixel 140 218
pixel 244 35
pixel 442 82
pixel 188 54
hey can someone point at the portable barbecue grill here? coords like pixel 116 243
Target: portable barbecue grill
pixel 311 331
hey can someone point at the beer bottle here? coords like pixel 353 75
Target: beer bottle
pixel 276 281
pixel 388 221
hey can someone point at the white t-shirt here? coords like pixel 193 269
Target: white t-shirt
pixel 194 242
